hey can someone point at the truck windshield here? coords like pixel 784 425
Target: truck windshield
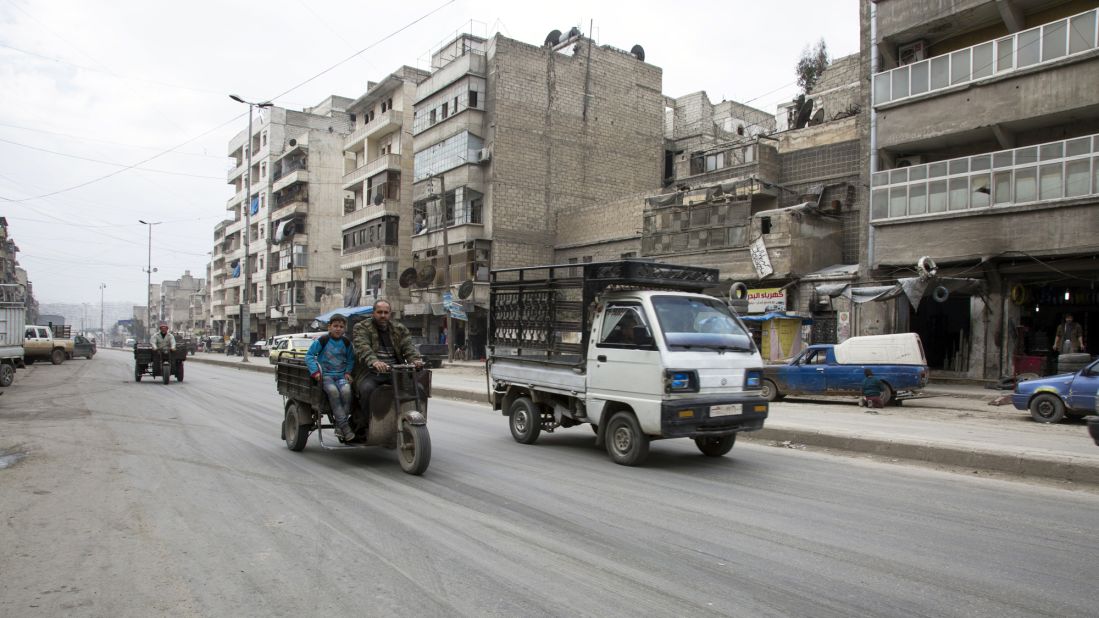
pixel 690 322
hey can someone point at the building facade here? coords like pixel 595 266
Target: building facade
pixel 293 221
pixel 507 136
pixel 984 156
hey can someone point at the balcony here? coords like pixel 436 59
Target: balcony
pixel 383 124
pixel 1021 52
pixel 283 276
pixel 370 168
pixel 1062 171
pixel 456 233
pixel 295 207
pixel 299 175
pixel 235 201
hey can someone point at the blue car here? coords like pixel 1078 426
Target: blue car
pixel 1051 399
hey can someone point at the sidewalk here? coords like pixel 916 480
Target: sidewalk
pixel 931 429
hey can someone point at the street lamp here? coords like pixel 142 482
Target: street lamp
pixel 149 270
pixel 102 332
pixel 245 327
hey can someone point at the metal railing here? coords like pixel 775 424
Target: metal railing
pixel 1061 170
pixel 1043 44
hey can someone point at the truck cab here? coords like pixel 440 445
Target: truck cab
pixel 633 348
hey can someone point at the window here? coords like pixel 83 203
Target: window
pixel 383 107
pixel 263 139
pixel 473 98
pixel 318 292
pixel 455 105
pixel 715 161
pixel 444 110
pixel 620 324
pixel 433 118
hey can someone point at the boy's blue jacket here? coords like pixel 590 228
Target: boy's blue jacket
pixel 332 357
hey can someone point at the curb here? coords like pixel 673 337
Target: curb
pixel 1027 464
pixel 265 367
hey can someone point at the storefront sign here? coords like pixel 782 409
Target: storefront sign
pixel 760 260
pixel 766 299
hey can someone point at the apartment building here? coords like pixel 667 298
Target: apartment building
pixel 175 300
pixel 293 220
pixel 984 156
pixel 777 211
pixel 507 136
pixel 378 222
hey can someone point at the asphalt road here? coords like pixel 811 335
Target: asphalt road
pixel 127 499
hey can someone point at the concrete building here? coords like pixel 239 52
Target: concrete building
pixel 176 298
pixel 507 136
pixel 378 223
pixel 296 205
pixel 985 157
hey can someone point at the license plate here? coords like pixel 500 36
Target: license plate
pixel 725 410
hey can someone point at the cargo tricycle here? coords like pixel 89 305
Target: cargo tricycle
pixel 149 361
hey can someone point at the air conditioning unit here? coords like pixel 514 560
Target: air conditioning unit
pixel 483 155
pixel 912 52
pixel 909 161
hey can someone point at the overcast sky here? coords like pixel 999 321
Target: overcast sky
pixel 102 85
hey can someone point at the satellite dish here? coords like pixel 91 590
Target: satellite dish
pixel 553 38
pixel 425 276
pixel 378 199
pixel 284 231
pixel 376 280
pixel 638 52
pixel 817 118
pixel 407 278
pixel 804 110
pixel 465 290
pixel 351 295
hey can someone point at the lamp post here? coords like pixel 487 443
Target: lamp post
pixel 149 276
pixel 102 286
pixel 245 267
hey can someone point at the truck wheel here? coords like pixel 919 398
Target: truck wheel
pixel 716 447
pixel 7 375
pixel 525 421
pixel 413 448
pixel 769 391
pixel 293 431
pixel 626 444
pixel 1047 408
pixel 57 357
pixel 887 394
pixel 27 360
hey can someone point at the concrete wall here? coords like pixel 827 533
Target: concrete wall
pixel 555 148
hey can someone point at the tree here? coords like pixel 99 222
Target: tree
pixel 814 60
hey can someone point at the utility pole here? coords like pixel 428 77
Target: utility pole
pixel 149 279
pixel 446 269
pixel 102 332
pixel 245 313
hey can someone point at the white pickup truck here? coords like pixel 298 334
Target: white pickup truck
pixel 40 344
pixel 630 347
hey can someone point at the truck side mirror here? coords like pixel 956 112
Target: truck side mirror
pixel 641 336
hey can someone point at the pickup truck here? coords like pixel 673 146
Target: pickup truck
pixel 40 344
pixel 1051 399
pixel 433 353
pixel 631 347
pixel 825 369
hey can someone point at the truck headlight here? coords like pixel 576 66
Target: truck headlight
pixel 680 381
pixel 753 379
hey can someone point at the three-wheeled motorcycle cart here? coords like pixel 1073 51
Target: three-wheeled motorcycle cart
pixel 148 361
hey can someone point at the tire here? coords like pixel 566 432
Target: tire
pixel 293 432
pixel 89 357
pixel 1047 408
pixel 138 372
pixel 413 448
pixel 57 357
pixel 525 420
pixel 716 447
pixel 28 360
pixel 626 445
pixel 769 391
pixel 179 373
pixel 887 395
pixel 165 372
pixel 7 375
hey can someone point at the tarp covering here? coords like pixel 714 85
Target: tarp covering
pixel 775 315
pixel 913 288
pixel 346 312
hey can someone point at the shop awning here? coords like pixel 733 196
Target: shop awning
pixel 913 288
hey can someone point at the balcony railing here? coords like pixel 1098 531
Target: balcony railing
pixel 1043 44
pixel 370 168
pixel 386 119
pixel 1061 170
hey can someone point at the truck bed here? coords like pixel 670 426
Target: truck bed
pixel 548 376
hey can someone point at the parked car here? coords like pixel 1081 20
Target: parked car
pixel 82 346
pixel 1051 399
pixel 259 348
pixel 290 347
pixel 130 341
pixel 897 360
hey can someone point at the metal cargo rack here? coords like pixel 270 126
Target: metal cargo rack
pixel 543 312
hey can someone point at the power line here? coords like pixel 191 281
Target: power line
pixel 103 141
pixel 72 156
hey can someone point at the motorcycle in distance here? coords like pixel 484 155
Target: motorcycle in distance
pixel 148 361
pixel 398 414
pixel 233 347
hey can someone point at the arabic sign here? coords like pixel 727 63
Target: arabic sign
pixel 760 260
pixel 453 307
pixel 764 300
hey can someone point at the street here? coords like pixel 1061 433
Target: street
pixel 137 499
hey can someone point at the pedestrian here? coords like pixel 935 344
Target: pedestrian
pixel 330 360
pixel 871 391
pixel 380 342
pixel 1070 336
